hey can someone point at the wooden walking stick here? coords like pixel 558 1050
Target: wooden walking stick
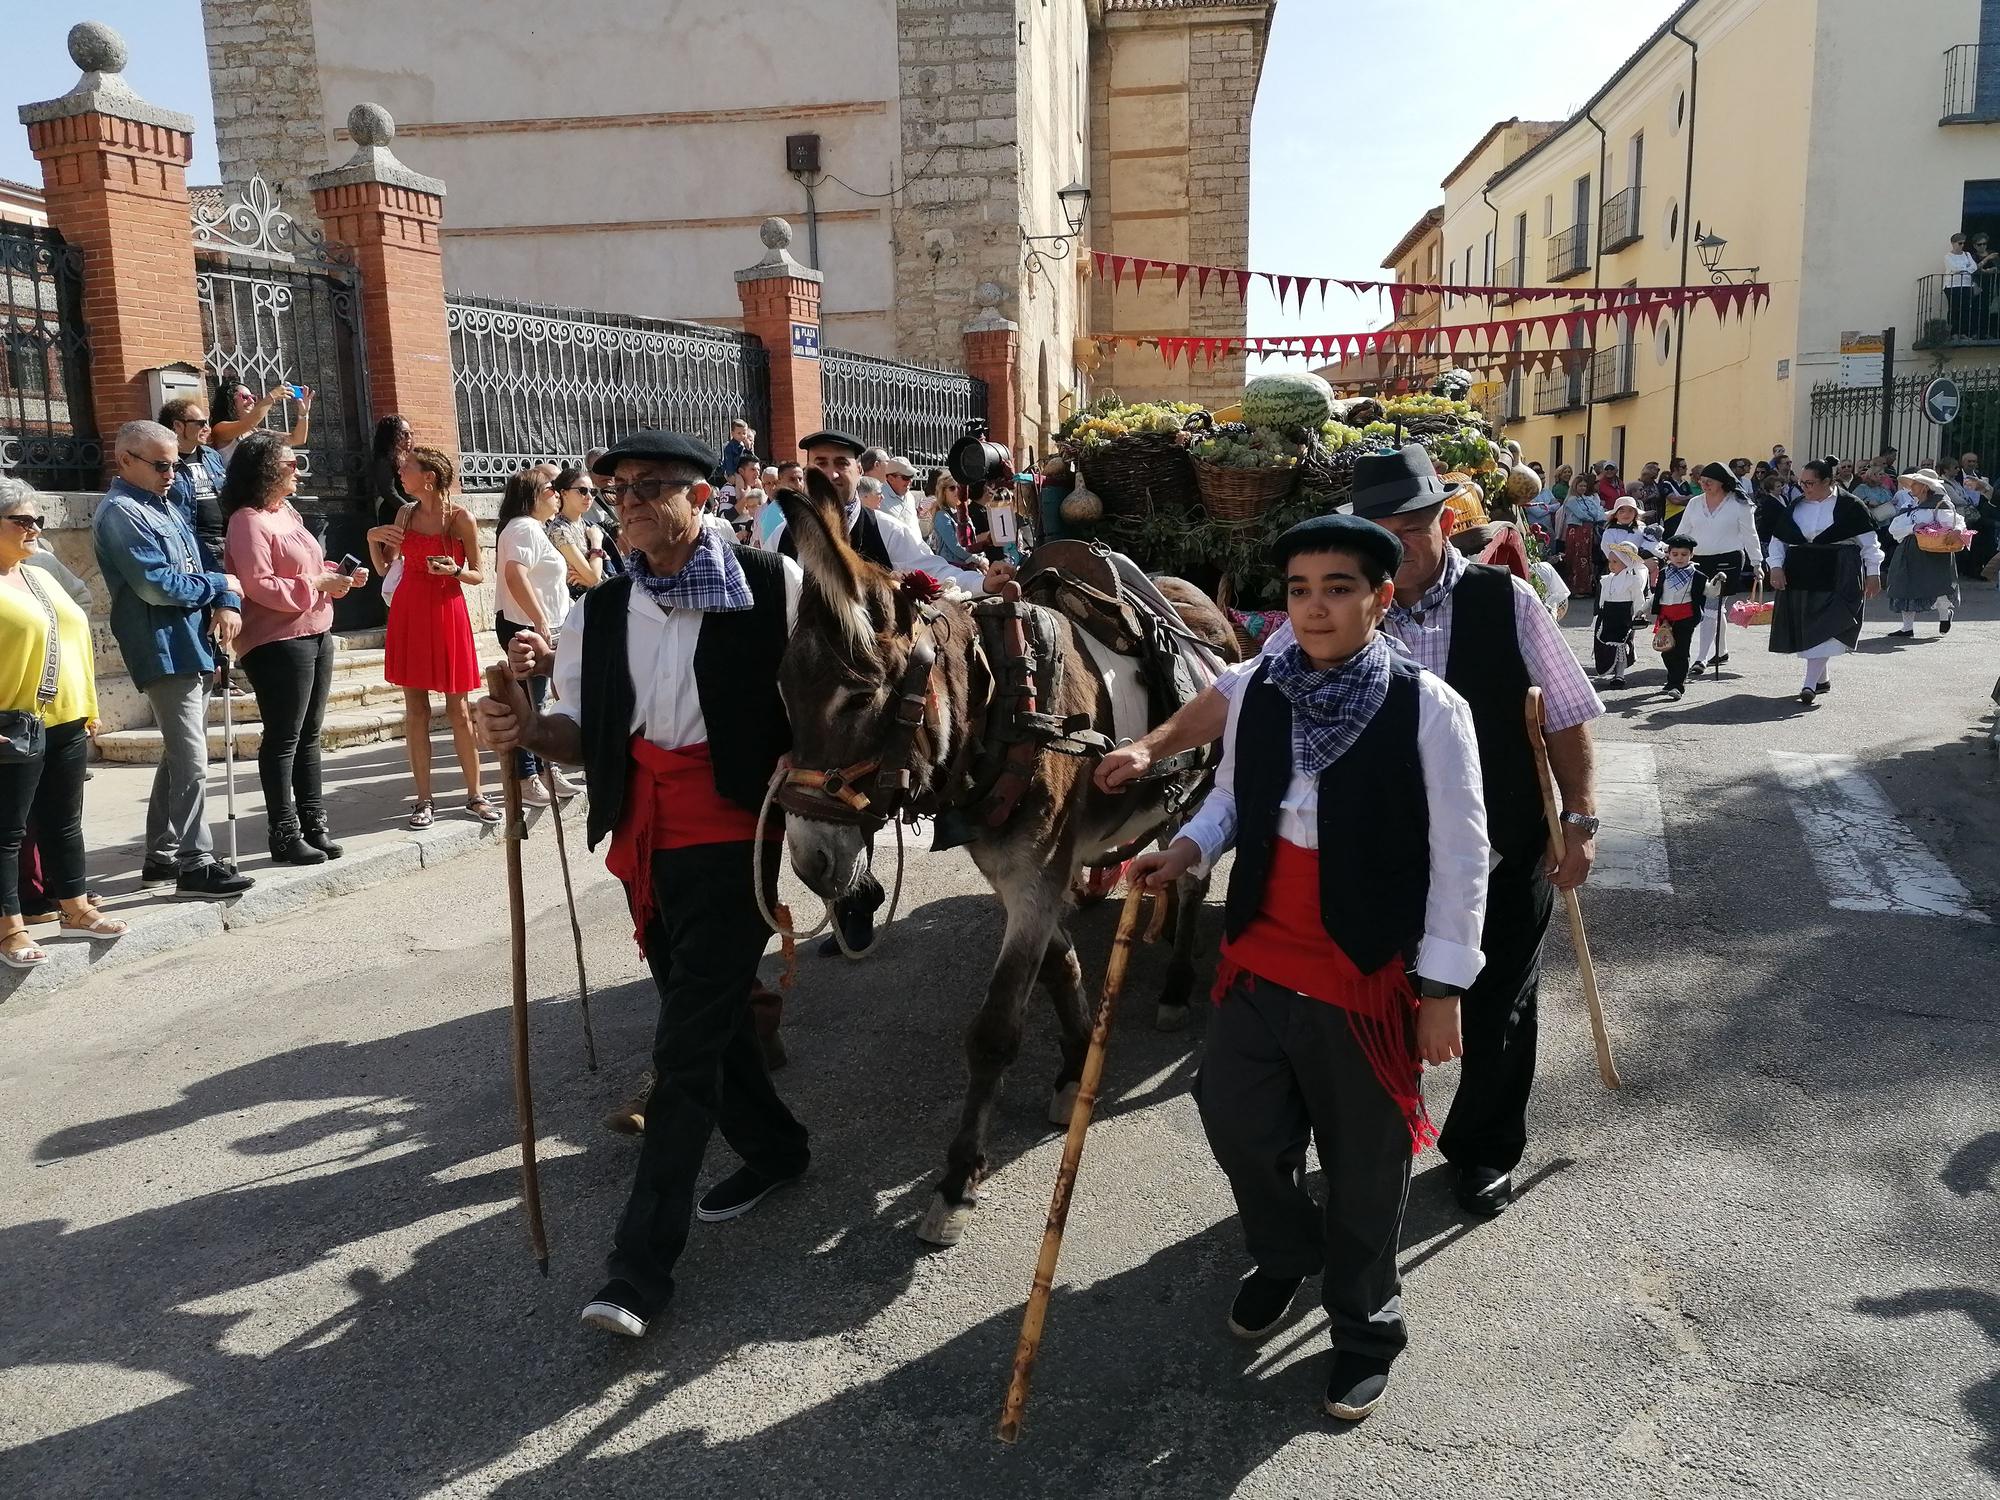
pixel 500 684
pixel 1079 1121
pixel 575 927
pixel 1606 1068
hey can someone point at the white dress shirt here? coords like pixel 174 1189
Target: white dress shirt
pixel 1632 535
pixel 659 655
pixel 1813 517
pixel 907 552
pixel 1730 527
pixel 1627 586
pixel 1449 755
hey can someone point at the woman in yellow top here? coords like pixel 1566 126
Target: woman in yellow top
pixel 46 788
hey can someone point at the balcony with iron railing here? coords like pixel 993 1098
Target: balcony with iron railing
pixel 1508 275
pixel 1959 317
pixel 1621 222
pixel 1560 390
pixel 1613 374
pixel 1569 252
pixel 1971 86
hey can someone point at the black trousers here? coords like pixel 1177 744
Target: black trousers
pixel 1488 1123
pixel 1611 637
pixel 1677 659
pixel 48 791
pixel 702 944
pixel 526 763
pixel 1276 1068
pixel 291 680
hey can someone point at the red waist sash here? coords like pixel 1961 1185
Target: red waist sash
pixel 1287 944
pixel 671 803
pixel 1682 611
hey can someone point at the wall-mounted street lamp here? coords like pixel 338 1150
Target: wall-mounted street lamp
pixel 1709 247
pixel 1075 200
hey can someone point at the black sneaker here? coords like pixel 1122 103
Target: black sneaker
pixel 1355 1387
pixel 1944 626
pixel 151 875
pixel 212 879
pixel 738 1193
pixel 619 1309
pixel 1673 695
pixel 1261 1304
pixel 1485 1192
pixel 1824 688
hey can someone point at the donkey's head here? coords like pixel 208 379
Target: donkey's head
pixel 868 681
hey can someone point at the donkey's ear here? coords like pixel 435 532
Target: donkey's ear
pixel 819 532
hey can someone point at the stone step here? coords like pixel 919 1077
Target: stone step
pixel 351 691
pixel 364 725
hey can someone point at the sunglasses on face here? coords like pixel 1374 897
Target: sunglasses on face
pixel 581 489
pixel 289 465
pixel 160 466
pixel 645 491
pixel 192 422
pixel 27 523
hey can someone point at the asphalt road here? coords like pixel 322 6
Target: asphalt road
pixel 259 1233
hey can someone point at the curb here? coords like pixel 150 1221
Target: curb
pixel 182 924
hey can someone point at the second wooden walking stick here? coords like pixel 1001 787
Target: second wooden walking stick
pixel 1606 1068
pixel 1079 1122
pixel 506 690
pixel 575 926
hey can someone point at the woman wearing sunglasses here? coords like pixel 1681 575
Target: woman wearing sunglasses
pixel 48 698
pixel 286 641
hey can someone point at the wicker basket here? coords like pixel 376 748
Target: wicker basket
pixel 1136 476
pixel 1237 497
pixel 1752 611
pixel 1943 541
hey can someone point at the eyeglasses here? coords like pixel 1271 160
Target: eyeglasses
pixel 161 466
pixel 27 523
pixel 192 422
pixel 581 489
pixel 288 464
pixel 645 491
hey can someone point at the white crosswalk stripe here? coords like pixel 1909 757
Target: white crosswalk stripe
pixel 1632 843
pixel 1866 858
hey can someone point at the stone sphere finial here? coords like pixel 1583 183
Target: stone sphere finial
pixel 96 48
pixel 988 294
pixel 371 125
pixel 776 234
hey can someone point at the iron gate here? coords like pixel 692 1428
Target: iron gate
pixel 47 434
pixel 1847 420
pixel 279 306
pixel 913 410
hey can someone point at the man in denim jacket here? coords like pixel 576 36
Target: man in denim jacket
pixel 161 596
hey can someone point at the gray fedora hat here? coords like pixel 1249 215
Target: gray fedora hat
pixel 1404 479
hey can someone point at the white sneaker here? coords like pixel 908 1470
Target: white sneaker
pixel 565 788
pixel 533 792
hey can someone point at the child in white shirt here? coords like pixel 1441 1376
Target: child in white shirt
pixel 1619 594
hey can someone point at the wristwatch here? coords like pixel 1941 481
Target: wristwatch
pixel 1585 821
pixel 1432 989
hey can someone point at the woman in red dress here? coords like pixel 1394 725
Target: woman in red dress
pixel 429 647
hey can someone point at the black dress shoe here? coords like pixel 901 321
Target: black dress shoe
pixel 1355 1386
pixel 1944 626
pixel 212 879
pixel 1261 1304
pixel 1485 1192
pixel 1809 698
pixel 1824 688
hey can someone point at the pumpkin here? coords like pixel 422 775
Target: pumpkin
pixel 1081 508
pixel 1289 402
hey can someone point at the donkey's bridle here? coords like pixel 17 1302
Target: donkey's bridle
pixel 868 793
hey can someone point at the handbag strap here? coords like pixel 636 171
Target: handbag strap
pixel 45 691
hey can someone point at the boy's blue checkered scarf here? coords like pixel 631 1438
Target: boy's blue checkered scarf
pixel 1331 708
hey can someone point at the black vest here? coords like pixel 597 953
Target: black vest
pixel 1486 667
pixel 736 661
pixel 865 536
pixel 1374 822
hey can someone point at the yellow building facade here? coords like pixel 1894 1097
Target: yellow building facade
pixel 1816 139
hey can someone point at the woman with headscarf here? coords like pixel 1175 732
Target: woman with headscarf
pixel 1826 563
pixel 1723 526
pixel 1916 580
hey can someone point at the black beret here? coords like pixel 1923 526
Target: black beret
pixel 657 447
pixel 1339 533
pixel 831 439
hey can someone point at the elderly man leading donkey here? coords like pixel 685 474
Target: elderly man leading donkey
pixel 669 697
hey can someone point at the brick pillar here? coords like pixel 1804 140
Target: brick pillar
pixel 389 217
pixel 993 354
pixel 114 174
pixel 781 308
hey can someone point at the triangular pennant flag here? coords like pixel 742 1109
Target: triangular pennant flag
pixel 1242 284
pixel 1139 264
pixel 1097 263
pixel 1284 287
pixel 1322 294
pixel 1201 281
pixel 1180 278
pixel 1118 270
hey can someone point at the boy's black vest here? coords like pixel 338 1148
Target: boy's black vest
pixel 1486 668
pixel 735 678
pixel 1374 822
pixel 865 536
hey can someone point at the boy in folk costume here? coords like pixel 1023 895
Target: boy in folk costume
pixel 1350 788
pixel 1678 608
pixel 1620 592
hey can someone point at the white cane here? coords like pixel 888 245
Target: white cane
pixel 229 753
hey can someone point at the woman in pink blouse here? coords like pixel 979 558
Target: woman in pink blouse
pixel 286 641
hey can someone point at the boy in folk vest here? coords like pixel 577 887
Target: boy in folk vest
pixel 1350 789
pixel 667 684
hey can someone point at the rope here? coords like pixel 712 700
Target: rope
pixel 784 929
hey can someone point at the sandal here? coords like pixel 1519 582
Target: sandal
pixel 100 927
pixel 26 956
pixel 423 815
pixel 481 809
pixel 36 918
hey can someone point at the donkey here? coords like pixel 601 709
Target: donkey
pixel 875 674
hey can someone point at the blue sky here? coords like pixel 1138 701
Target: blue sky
pixel 1364 107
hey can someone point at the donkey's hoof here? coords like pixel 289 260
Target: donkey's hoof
pixel 945 1223
pixel 1171 1017
pixel 1062 1104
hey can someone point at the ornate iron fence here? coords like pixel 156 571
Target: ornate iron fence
pixel 279 307
pixel 1569 252
pixel 537 383
pixel 1847 420
pixel 918 411
pixel 1621 222
pixel 47 432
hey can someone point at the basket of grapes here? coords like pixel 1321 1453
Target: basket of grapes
pixel 1133 457
pixel 1240 471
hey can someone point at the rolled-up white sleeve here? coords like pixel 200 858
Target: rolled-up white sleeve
pixel 568 675
pixel 1212 829
pixel 1456 909
pixel 907 554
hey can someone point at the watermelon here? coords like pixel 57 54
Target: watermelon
pixel 1289 402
